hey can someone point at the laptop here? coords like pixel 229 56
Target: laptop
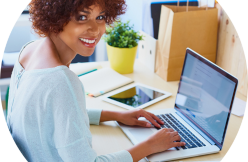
pixel 201 113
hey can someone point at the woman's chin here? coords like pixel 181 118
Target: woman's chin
pixel 88 54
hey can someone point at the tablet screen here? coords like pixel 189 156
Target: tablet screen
pixel 136 96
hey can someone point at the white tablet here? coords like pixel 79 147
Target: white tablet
pixel 136 96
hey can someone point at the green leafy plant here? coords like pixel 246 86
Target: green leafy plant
pixel 122 35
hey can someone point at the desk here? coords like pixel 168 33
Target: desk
pixel 108 137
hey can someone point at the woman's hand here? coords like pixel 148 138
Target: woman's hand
pixel 131 118
pixel 163 140
pixel 158 142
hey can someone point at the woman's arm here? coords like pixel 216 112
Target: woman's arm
pixel 131 117
pixel 158 142
pixel 109 116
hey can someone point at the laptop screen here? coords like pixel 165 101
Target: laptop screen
pixel 205 96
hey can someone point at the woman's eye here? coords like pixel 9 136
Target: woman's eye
pixel 82 17
pixel 101 17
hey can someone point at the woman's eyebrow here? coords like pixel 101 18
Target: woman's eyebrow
pixel 85 11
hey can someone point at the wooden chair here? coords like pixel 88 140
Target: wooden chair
pixel 8 152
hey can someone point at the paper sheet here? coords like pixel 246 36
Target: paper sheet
pixel 238 107
pixel 79 68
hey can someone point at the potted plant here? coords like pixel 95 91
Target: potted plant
pixel 122 44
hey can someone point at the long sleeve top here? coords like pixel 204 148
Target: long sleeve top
pixel 48 119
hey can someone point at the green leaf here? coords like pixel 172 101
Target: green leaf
pixel 122 35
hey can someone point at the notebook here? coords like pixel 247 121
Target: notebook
pixel 84 68
pixel 102 81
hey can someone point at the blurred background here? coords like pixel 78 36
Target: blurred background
pixel 138 13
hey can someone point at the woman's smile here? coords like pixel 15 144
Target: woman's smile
pixel 88 42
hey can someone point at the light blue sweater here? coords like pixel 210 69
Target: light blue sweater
pixel 48 119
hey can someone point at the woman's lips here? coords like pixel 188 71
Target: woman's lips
pixel 89 45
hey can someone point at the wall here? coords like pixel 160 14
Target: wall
pixel 230 53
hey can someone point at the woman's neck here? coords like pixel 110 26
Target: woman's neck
pixel 64 52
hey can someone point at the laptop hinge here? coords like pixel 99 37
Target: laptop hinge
pixel 195 128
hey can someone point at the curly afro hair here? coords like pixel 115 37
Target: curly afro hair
pixel 50 16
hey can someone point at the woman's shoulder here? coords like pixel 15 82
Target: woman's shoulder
pixel 63 84
pixel 41 65
pixel 60 75
pixel 56 83
pixel 39 54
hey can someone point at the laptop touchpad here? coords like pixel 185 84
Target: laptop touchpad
pixel 141 134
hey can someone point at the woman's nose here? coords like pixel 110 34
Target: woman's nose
pixel 93 28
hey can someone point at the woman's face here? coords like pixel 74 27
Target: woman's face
pixel 84 30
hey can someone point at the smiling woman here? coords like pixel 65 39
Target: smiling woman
pixel 52 16
pixel 78 19
pixel 47 115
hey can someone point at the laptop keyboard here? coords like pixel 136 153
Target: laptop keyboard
pixel 186 136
